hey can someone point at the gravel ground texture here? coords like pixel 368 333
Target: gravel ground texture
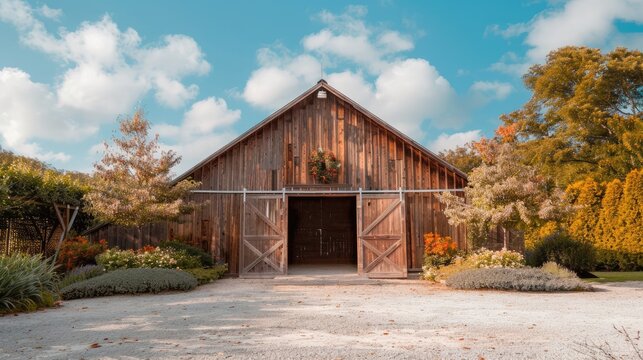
pixel 311 318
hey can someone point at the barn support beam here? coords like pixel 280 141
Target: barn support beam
pixel 285 192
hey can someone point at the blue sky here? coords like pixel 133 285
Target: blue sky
pixel 205 71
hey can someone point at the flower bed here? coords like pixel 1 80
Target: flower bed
pixel 148 257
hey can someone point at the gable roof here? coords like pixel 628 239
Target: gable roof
pixel 321 84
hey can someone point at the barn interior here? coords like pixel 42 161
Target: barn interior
pixel 322 234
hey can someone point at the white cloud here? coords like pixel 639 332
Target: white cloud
pixel 50 13
pixel 451 141
pixel 508 32
pixel 347 37
pixel 393 42
pixel 403 91
pixel 206 126
pixel 30 110
pixel 107 70
pixel 96 149
pixel 484 91
pixel 405 94
pixel 577 22
pixel 279 78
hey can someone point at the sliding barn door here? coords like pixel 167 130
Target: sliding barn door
pixel 263 238
pixel 382 239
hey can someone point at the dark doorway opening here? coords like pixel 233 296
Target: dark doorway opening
pixel 322 230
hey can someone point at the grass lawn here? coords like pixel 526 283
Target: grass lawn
pixel 616 276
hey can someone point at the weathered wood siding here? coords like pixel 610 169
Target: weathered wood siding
pixel 127 237
pixel 275 156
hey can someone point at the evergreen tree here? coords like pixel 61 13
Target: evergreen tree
pixel 586 196
pixel 630 214
pixel 608 224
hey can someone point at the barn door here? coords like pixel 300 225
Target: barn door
pixel 382 239
pixel 263 237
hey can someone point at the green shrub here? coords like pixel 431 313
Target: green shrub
pixel 208 275
pixel 130 281
pixel 612 260
pixel 81 273
pixel 206 259
pixel 26 282
pixel 558 271
pixel 437 260
pixel 525 279
pixel 560 248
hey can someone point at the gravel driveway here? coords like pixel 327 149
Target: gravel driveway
pixel 299 317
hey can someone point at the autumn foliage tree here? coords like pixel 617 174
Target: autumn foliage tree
pixel 584 118
pixel 132 183
pixel 462 157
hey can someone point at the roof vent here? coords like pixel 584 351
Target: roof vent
pixel 321 94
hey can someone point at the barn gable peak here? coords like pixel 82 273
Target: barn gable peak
pixel 321 86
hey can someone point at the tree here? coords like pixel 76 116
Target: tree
pixel 29 189
pixel 586 195
pixel 608 223
pixel 584 117
pixel 504 193
pixel 610 216
pixel 630 215
pixel 132 184
pixel 463 157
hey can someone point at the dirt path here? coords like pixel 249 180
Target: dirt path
pixel 277 319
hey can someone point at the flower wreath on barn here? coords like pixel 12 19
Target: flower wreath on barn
pixel 323 166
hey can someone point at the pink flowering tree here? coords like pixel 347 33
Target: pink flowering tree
pixel 503 192
pixel 132 183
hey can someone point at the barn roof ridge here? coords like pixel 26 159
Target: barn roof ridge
pixel 320 84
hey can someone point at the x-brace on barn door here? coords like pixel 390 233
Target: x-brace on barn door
pixel 382 236
pixel 263 238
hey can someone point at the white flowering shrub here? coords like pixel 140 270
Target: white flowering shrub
pixel 430 273
pixel 149 257
pixel 487 259
pixel 157 258
pixel 115 258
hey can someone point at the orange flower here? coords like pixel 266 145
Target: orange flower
pixel 435 244
pixel 147 248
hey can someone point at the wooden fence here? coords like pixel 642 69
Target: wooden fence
pixel 128 237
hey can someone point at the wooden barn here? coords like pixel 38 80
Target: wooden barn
pixel 262 211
